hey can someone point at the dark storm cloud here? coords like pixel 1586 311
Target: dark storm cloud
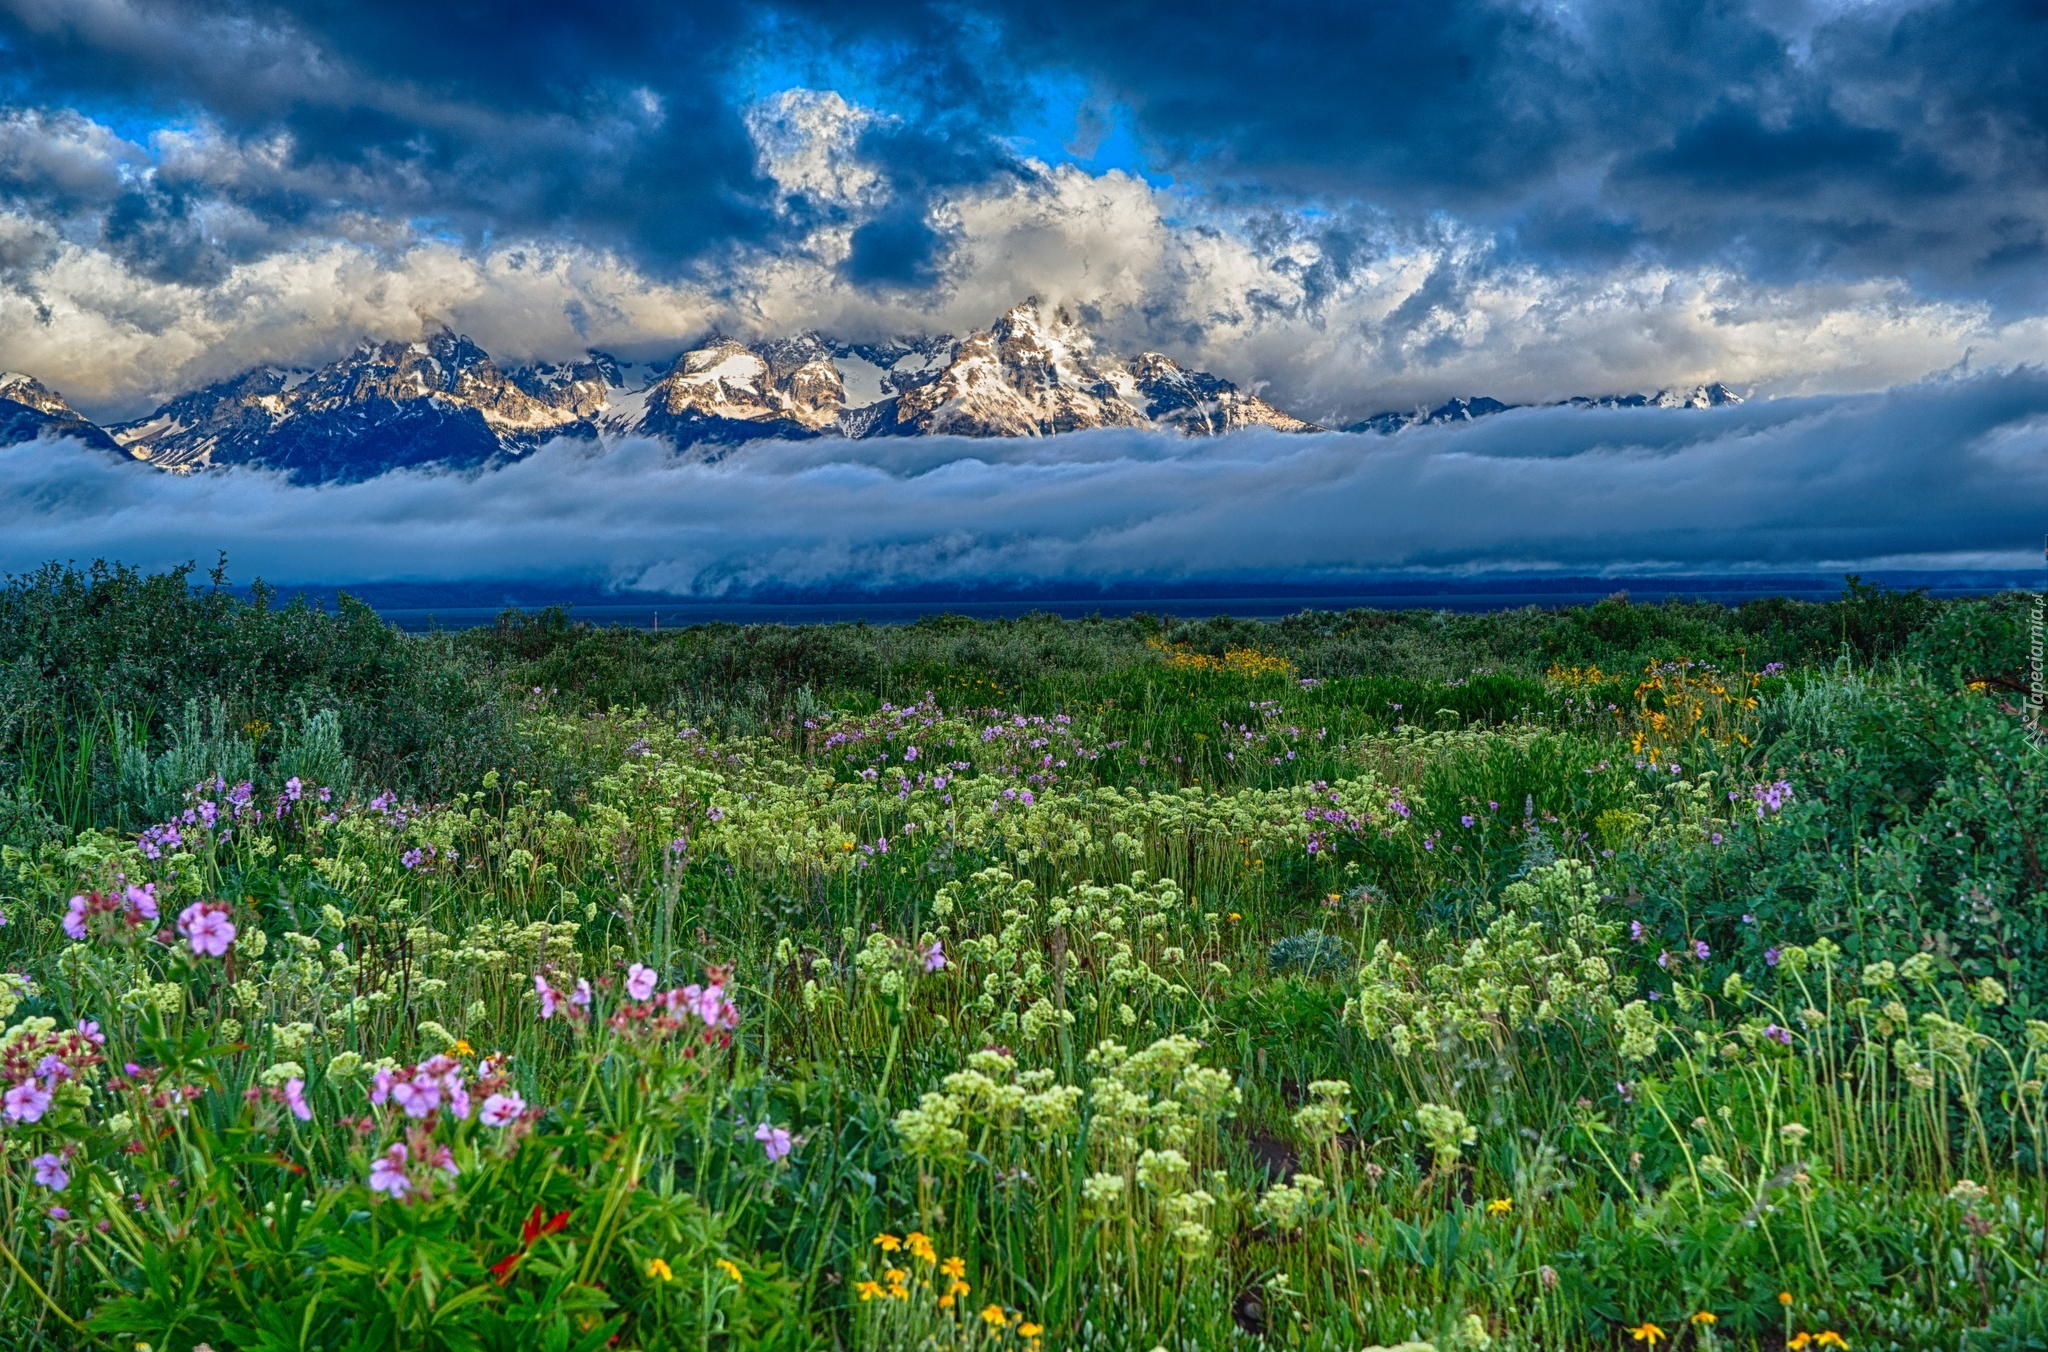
pixel 1926 475
pixel 612 123
pixel 1879 138
pixel 1892 137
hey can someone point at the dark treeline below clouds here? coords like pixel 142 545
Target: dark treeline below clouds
pixel 1945 473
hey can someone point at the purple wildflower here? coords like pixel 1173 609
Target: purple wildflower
pixel 502 1110
pixel 206 927
pixel 387 1175
pixel 775 1141
pixel 26 1102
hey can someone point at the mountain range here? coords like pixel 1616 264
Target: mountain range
pixel 445 402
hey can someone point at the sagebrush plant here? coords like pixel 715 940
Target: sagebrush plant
pixel 1620 976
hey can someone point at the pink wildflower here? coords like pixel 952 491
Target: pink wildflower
pixel 387 1175
pixel 502 1110
pixel 50 1172
pixel 417 1097
pixel 206 927
pixel 775 1141
pixel 26 1102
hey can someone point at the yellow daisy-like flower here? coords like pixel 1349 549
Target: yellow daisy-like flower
pixel 1648 1333
pixel 1030 1330
pixel 920 1247
pixel 730 1269
pixel 887 1242
pixel 1831 1339
pixel 1500 1206
pixel 896 1276
pixel 1784 1298
pixel 954 1267
pixel 868 1290
pixel 462 1047
pixel 659 1269
pixel 1706 1317
pixel 993 1316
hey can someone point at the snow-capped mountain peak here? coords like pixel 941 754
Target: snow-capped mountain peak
pixel 442 401
pixel 31 410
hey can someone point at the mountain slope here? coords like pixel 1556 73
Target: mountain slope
pixel 29 409
pixel 446 403
pixel 1467 409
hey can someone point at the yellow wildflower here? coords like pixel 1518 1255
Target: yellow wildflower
pixel 1647 1333
pixel 1500 1206
pixel 887 1242
pixel 658 1269
pixel 730 1269
pixel 868 1290
pixel 1784 1298
pixel 954 1267
pixel 1831 1339
pixel 920 1247
pixel 993 1316
pixel 1030 1330
pixel 1706 1317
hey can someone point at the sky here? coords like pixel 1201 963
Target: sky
pixel 1348 206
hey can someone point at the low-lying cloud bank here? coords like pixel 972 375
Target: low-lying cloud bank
pixel 1943 474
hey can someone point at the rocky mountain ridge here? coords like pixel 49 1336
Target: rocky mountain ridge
pixel 445 402
pixel 1467 409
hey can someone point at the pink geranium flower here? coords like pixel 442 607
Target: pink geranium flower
pixel 206 927
pixel 502 1110
pixel 640 981
pixel 50 1172
pixel 417 1097
pixel 549 998
pixel 295 1099
pixel 26 1102
pixel 775 1141
pixel 387 1175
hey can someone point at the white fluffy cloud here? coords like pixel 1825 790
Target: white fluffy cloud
pixel 1944 473
pixel 1333 319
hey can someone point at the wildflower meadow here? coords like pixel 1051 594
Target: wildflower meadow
pixel 1618 977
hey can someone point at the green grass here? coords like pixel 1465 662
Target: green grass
pixel 1392 995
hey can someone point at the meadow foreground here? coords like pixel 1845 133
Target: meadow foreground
pixel 1655 977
